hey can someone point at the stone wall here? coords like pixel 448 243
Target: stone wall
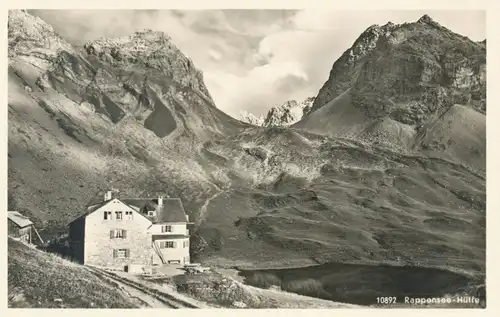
pixel 99 246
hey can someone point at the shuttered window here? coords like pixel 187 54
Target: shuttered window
pixel 121 253
pixel 118 234
pixel 168 244
pixel 166 228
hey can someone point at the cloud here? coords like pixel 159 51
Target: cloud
pixel 254 59
pixel 288 84
pixel 256 91
pixel 216 55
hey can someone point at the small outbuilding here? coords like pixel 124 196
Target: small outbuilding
pixel 21 227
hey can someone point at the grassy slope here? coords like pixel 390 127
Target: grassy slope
pixel 345 201
pixel 36 279
pixel 458 135
pixel 460 132
pixel 339 118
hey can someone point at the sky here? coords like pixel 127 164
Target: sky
pixel 254 59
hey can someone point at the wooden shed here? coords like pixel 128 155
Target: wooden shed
pixel 21 227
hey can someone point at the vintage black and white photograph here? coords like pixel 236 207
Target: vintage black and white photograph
pixel 246 158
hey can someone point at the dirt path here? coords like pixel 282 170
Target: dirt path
pixel 203 209
pixel 144 299
pixel 149 297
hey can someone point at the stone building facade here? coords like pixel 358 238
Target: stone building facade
pixel 117 233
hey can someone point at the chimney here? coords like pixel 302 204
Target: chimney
pixel 160 201
pixel 108 195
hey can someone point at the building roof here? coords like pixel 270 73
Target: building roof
pixel 93 207
pixel 172 210
pixel 19 219
pixel 90 209
pixel 169 236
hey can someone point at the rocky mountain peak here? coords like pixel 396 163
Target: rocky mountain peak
pixel 427 20
pixel 397 81
pixel 140 43
pixel 151 50
pixel 30 35
pixel 281 115
pixel 422 54
pixel 368 40
pixel 249 117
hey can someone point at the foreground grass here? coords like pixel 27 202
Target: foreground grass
pixel 41 280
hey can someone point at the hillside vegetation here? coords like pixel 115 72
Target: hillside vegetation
pixel 40 280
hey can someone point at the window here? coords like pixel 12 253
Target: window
pixel 167 244
pixel 128 215
pixel 186 244
pixel 107 215
pixel 166 228
pixel 118 234
pixel 121 253
pixel 151 213
pixel 119 215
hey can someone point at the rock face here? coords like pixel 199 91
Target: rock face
pixel 29 35
pixel 149 50
pixel 401 70
pixel 396 80
pixel 282 115
pixel 252 119
pixel 347 67
pixel 142 76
